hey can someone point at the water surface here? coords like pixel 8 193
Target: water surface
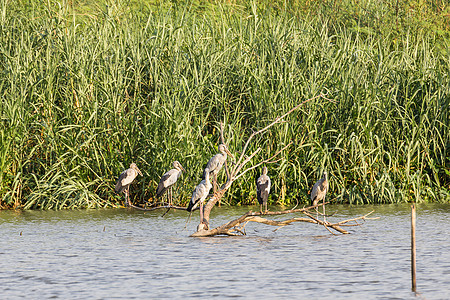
pixel 127 254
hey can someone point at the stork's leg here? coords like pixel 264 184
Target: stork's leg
pixel 260 208
pixel 215 185
pixel 170 196
pixel 324 216
pixel 127 196
pixel 265 205
pixel 201 213
pixel 317 211
pixel 129 200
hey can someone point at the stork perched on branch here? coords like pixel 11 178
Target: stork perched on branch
pixel 216 162
pixel 263 189
pixel 319 191
pixel 199 195
pixel 168 180
pixel 125 180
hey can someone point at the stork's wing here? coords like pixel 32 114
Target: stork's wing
pixel 200 192
pixel 169 178
pixel 258 196
pixel 314 191
pixel 161 189
pixel 317 189
pixel 125 178
pixel 211 165
pixel 215 163
pixel 323 185
pixel 195 198
pixel 263 188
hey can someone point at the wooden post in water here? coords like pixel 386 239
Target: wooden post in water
pixel 413 247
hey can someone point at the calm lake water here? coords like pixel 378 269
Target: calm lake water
pixel 127 254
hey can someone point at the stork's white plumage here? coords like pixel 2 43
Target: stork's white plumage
pixel 125 180
pixel 216 163
pixel 169 179
pixel 199 195
pixel 319 191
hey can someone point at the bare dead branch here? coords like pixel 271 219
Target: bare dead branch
pixel 358 218
pixel 327 224
pixel 289 211
pixel 274 161
pixel 277 223
pixel 232 227
pixel 329 230
pixel 264 161
pixel 222 141
pixel 238 168
pixel 277 120
pixel 221 230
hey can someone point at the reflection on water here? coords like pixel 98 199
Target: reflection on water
pixel 132 254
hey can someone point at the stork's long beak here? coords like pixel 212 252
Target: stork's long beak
pixel 229 153
pixel 182 169
pixel 139 171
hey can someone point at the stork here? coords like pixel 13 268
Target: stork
pixel 125 180
pixel 319 192
pixel 263 189
pixel 216 162
pixel 199 195
pixel 168 180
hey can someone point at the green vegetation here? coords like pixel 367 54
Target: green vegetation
pixel 86 89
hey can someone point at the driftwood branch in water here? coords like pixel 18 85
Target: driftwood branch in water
pixel 232 227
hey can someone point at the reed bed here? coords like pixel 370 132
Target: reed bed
pixel 82 98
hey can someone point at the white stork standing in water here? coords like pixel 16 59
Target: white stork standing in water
pixel 168 180
pixel 319 192
pixel 199 195
pixel 216 162
pixel 263 189
pixel 125 180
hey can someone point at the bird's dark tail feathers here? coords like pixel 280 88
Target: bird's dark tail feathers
pixel 118 189
pixel 191 206
pixel 160 192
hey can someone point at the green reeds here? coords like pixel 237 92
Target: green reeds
pixel 82 100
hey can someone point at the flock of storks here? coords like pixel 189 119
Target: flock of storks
pixel 202 190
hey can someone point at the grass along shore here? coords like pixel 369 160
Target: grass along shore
pixel 84 95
